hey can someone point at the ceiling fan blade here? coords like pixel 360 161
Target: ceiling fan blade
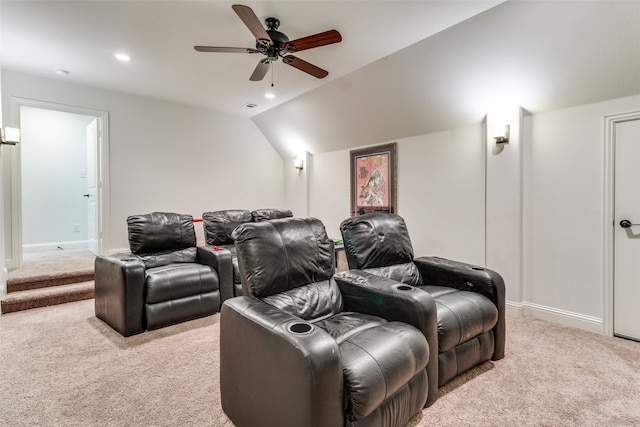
pixel 225 49
pixel 260 71
pixel 305 66
pixel 246 14
pixel 316 40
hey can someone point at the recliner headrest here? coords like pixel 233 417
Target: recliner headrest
pixel 376 240
pixel 269 214
pixel 275 256
pixel 219 225
pixel 160 232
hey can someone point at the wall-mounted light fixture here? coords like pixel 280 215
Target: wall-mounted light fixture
pixel 10 136
pixel 298 162
pixel 501 133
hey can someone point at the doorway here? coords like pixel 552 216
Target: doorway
pixel 622 229
pixel 84 226
pixel 626 291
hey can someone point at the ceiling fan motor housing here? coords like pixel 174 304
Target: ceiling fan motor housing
pixel 277 49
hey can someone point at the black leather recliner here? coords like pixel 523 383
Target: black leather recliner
pixel 218 226
pixel 470 299
pixel 166 278
pixel 303 349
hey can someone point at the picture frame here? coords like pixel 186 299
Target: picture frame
pixel 373 179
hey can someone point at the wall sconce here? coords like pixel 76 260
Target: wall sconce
pixel 298 162
pixel 10 136
pixel 501 133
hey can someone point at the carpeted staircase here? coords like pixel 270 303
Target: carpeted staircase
pixel 51 279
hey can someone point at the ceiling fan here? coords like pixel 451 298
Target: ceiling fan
pixel 273 45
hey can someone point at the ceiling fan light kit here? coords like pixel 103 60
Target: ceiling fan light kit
pixel 274 44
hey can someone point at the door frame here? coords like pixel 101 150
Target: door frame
pixel 609 213
pixel 102 170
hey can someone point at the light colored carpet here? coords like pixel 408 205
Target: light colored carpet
pixel 63 367
pixel 52 264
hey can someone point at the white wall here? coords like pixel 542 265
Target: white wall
pixel 165 156
pixel 441 195
pixel 329 190
pixel 504 201
pixel 296 188
pixel 564 213
pixel 53 154
pixel 440 192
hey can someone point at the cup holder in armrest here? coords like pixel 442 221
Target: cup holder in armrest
pixel 300 328
pixel 404 287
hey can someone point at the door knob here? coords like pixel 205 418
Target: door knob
pixel 625 223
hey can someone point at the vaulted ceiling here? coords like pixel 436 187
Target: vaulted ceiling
pixel 403 68
pixel 541 56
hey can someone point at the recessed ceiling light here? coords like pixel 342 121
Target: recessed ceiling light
pixel 61 72
pixel 269 95
pixel 122 57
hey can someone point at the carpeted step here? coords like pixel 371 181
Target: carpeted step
pixel 46 280
pixel 33 298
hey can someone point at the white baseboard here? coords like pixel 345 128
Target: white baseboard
pixel 514 308
pixel 54 246
pixel 556 315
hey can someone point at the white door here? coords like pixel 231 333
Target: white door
pixel 92 188
pixel 626 317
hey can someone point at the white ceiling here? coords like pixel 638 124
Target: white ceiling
pixel 81 37
pixel 403 68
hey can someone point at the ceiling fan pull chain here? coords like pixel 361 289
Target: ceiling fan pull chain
pixel 272 74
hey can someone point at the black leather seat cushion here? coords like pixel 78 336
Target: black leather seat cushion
pixel 188 255
pixel 462 315
pixel 378 358
pixel 175 281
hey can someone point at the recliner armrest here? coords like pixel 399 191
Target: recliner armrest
pixel 258 343
pixel 379 296
pixel 119 292
pixel 219 260
pixel 438 271
pixel 467 277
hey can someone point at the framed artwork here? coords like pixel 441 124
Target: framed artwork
pixel 373 179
